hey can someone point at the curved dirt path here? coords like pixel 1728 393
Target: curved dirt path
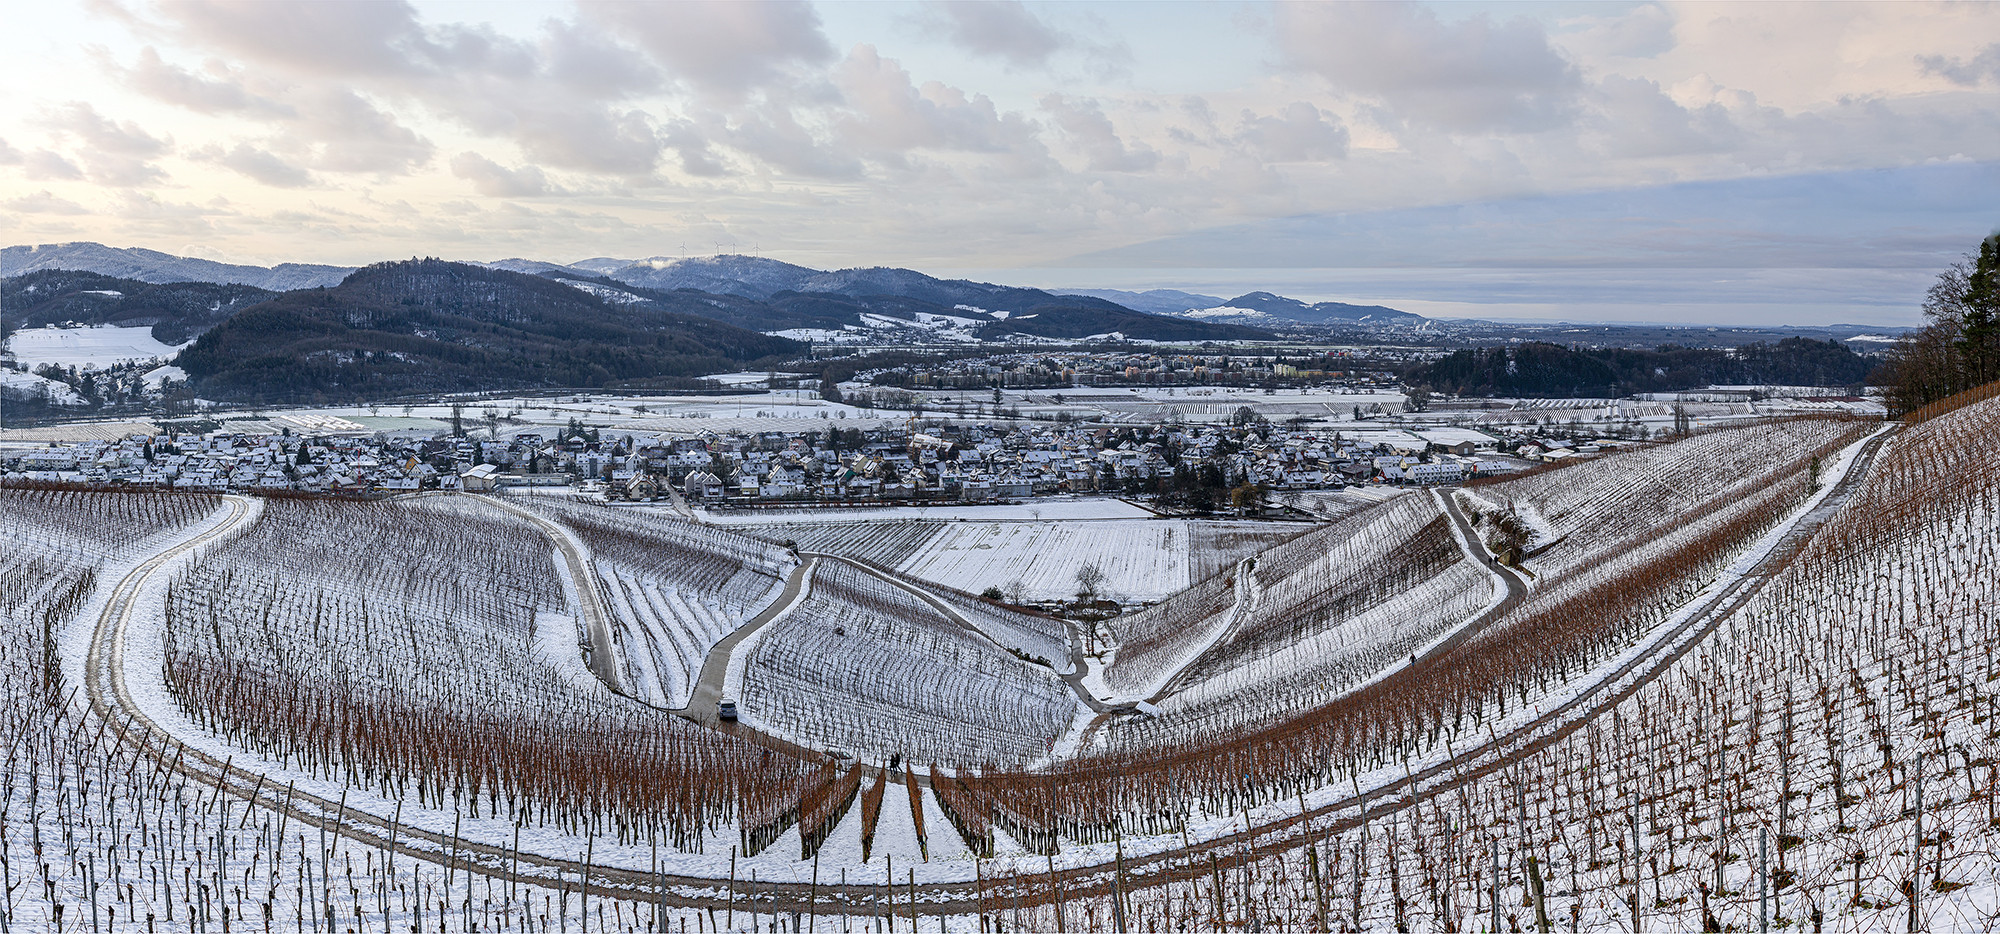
pixel 1517 589
pixel 707 693
pixel 111 699
pixel 603 659
pixel 1469 543
pixel 706 697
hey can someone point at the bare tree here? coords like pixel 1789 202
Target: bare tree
pixel 1089 579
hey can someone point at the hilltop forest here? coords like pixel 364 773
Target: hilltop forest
pixel 425 326
pixel 1544 369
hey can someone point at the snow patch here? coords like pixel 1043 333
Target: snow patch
pixel 1223 311
pixel 88 347
pixel 30 385
pixel 614 296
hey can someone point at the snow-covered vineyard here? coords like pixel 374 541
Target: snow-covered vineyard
pixel 1743 679
pixel 1142 559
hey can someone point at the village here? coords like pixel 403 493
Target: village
pixel 933 461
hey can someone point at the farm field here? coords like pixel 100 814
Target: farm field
pixel 1742 679
pixel 86 347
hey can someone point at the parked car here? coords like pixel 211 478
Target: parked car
pixel 726 710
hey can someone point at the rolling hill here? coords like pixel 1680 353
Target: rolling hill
pixel 1268 310
pixel 750 292
pixel 154 266
pixel 427 326
pixel 894 292
pixel 878 299
pixel 176 311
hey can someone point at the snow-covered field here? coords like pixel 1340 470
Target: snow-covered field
pixel 87 347
pixel 1141 560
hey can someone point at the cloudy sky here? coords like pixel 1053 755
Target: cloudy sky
pixel 1710 162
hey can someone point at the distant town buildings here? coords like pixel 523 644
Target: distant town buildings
pixel 929 462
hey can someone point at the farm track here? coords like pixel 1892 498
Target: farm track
pixel 111 700
pixel 589 593
pixel 707 692
pixel 1517 589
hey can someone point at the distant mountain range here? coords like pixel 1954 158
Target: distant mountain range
pixel 1152 301
pixel 1256 309
pixel 876 290
pixel 1265 308
pixel 426 326
pixel 305 332
pixel 156 267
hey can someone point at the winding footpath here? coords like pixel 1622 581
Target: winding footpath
pixel 1517 589
pixel 1272 829
pixel 589 593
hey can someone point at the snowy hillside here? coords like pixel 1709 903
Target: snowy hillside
pixel 154 266
pixel 86 347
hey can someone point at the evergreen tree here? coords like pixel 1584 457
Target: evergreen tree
pixel 1980 308
pixel 1960 349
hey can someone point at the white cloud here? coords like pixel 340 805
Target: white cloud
pixel 1299 133
pixel 955 135
pixel 1638 120
pixel 721 46
pixel 113 153
pixel 332 40
pixel 44 165
pixel 355 135
pixel 256 163
pixel 1643 31
pixel 1002 29
pixel 1982 68
pixel 223 93
pixel 494 180
pixel 773 134
pixel 1474 75
pixel 42 202
pixel 886 111
pixel 1084 122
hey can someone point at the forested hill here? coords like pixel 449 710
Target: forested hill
pixel 430 326
pixel 176 311
pixel 1543 369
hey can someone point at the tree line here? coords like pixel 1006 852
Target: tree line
pixel 1960 348
pixel 1539 368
